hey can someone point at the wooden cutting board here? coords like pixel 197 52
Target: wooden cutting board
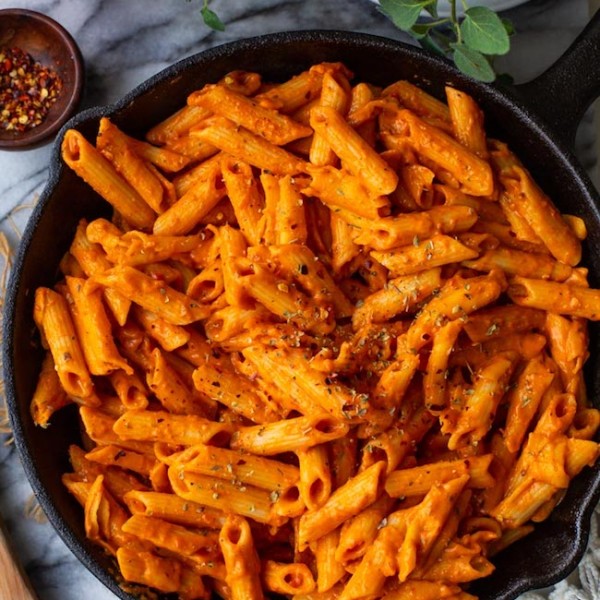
pixel 14 584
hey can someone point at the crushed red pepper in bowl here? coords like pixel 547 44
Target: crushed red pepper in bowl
pixel 27 90
pixel 41 78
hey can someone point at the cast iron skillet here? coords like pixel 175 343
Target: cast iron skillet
pixel 538 120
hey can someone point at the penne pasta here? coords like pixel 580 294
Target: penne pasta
pixel 331 343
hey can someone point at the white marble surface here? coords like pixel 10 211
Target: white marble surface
pixel 126 41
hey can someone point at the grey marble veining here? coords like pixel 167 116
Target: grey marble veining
pixel 126 41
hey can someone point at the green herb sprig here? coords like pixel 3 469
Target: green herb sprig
pixel 210 17
pixel 472 42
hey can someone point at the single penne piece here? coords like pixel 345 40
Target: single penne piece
pixel 287 302
pixel 117 481
pixel 176 124
pixel 315 476
pixel 200 547
pixel 99 427
pixel 190 178
pixel 426 254
pixel 275 127
pixel 585 424
pixel 452 219
pixel 290 218
pixel 358 533
pixel 394 381
pixel 169 336
pixel 473 173
pixel 568 340
pixel 307 389
pixel 249 147
pixel 234 324
pixel 517 262
pixel 97 172
pixel 459 564
pixel 153 295
pixel 288 435
pixel 103 518
pixel 287 578
pixel 244 194
pixel 233 247
pixel 426 523
pixel 527 345
pixel 524 400
pixel 338 188
pixel 560 298
pixel 228 464
pixel 417 181
pixel 417 481
pixel 174 509
pixel 334 95
pixel 161 573
pixel 135 248
pixel 130 389
pixel 397 442
pixel 435 378
pixel 93 260
pixel 343 248
pixel 49 395
pixel 379 562
pixel 401 295
pixel 345 502
pixel 93 328
pixel 116 148
pixel 294 93
pixel 163 158
pixel 343 459
pixel 427 590
pixel 168 387
pixel 389 232
pixel 193 206
pixel 304 267
pixel 241 559
pixel 125 459
pixel 419 101
pixel 51 315
pixel 225 495
pixel 580 453
pixel 194 149
pixel 161 426
pixel 270 186
pixel 490 385
pixel 207 285
pixel 358 156
pixel 503 320
pixel 467 121
pixel 227 387
pixel 456 299
pixel 329 569
pixel 541 215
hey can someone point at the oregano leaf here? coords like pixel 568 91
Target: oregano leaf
pixel 431 44
pixel 431 8
pixel 403 13
pixel 483 31
pixel 211 19
pixel 472 63
pixel 420 30
pixel 508 26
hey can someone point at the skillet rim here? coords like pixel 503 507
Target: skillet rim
pixel 507 98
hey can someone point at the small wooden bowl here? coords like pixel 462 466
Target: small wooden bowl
pixel 52 46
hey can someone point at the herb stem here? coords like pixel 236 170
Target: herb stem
pixel 454 20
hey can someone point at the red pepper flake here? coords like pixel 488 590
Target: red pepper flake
pixel 27 90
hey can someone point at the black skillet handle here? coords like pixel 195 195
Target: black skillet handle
pixel 562 94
